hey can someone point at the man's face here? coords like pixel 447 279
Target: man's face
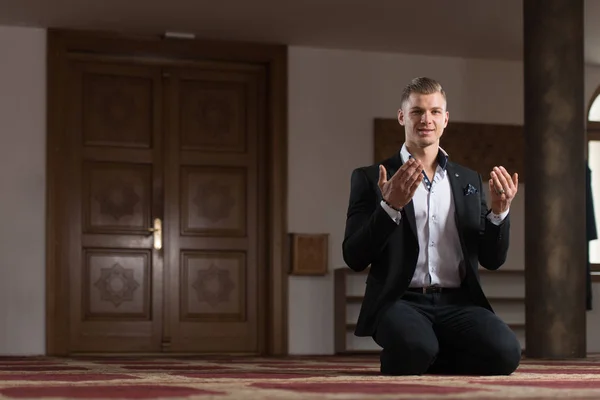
pixel 424 118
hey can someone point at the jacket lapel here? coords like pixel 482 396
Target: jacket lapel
pixel 409 214
pixel 457 184
pixel 392 165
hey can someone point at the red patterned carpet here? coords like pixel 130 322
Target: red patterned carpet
pixel 287 378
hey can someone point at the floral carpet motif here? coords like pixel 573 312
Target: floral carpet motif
pixel 328 377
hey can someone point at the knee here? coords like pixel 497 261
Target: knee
pixel 424 350
pixel 506 356
pixel 409 357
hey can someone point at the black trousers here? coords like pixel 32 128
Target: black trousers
pixel 444 333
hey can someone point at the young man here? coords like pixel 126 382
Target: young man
pixel 422 224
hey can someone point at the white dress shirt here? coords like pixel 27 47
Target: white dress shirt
pixel 440 260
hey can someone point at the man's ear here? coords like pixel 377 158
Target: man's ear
pixel 401 117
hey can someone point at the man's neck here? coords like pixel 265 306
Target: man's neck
pixel 427 155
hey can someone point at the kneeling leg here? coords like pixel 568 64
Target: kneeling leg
pixel 475 341
pixel 408 340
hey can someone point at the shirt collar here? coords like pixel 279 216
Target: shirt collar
pixel 442 156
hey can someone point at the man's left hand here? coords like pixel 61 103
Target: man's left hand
pixel 503 189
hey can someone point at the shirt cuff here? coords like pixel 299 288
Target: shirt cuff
pixel 394 215
pixel 497 219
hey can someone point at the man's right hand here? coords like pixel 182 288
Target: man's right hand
pixel 401 187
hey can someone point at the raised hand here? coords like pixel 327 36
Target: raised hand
pixel 503 189
pixel 401 187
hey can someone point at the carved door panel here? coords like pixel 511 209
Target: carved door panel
pixel 115 144
pixel 215 209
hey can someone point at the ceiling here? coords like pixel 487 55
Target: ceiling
pixel 489 29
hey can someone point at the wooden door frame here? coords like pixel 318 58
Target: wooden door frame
pixel 61 43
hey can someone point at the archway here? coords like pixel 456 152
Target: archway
pixel 593 156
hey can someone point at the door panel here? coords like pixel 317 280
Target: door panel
pixel 115 192
pixel 215 209
pixel 213 201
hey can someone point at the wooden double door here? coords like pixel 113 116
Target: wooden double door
pixel 166 206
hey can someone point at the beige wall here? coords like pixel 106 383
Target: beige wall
pixel 333 98
pixel 22 190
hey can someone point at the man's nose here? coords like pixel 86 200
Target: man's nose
pixel 425 117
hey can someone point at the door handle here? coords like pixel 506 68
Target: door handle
pixel 157 233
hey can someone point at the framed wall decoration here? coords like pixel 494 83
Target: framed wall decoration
pixel 309 254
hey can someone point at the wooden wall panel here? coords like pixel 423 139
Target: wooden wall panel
pixel 474 145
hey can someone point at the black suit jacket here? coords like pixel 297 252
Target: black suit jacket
pixel 391 250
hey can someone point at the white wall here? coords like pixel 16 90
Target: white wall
pixel 22 190
pixel 333 98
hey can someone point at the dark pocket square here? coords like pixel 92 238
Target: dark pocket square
pixel 470 189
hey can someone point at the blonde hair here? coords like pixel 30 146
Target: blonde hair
pixel 422 85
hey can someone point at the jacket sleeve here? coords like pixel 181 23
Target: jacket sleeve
pixel 368 226
pixel 493 239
